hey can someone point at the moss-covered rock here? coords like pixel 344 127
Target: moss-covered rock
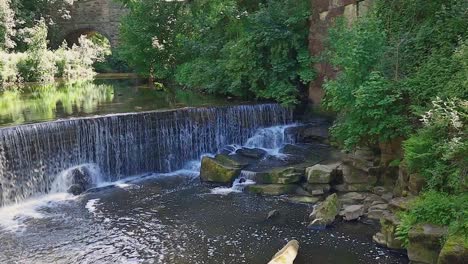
pixel 321 174
pixel 352 212
pixel 214 171
pixel 454 251
pixel 316 189
pixel 425 243
pixel 416 183
pixel 272 189
pixel 353 175
pixel 231 161
pixel 400 204
pixel 387 236
pixel 357 187
pixel 280 176
pixel 352 198
pixel 303 199
pixel 401 185
pixel 325 213
pixel 254 153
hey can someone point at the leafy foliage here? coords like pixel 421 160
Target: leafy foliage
pixel 148 36
pixel 6 25
pixel 439 209
pixel 244 48
pixel 370 108
pixel 439 151
pixel 392 64
pixel 39 64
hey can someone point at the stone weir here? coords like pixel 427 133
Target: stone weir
pixel 31 156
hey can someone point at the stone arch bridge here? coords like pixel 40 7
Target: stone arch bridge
pixel 90 16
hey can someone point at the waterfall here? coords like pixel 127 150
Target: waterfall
pixel 33 156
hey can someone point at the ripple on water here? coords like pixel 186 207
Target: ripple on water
pixel 167 220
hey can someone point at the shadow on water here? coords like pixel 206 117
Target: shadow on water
pixel 34 103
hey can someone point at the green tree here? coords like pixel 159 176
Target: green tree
pixel 370 107
pixel 149 34
pixel 240 47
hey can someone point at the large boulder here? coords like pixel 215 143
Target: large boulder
pixel 314 132
pixel 303 199
pixel 357 187
pixel 316 189
pixel 352 212
pixel 352 198
pixel 353 175
pixel 254 153
pixel 231 161
pixel 325 213
pixel 281 175
pixel 362 159
pixel 272 189
pixel 321 174
pixel 76 189
pixel 80 178
pixel 377 211
pixel 454 251
pixel 424 243
pixel 387 235
pixel 287 254
pixel 400 204
pixel 401 185
pixel 212 170
pixel 416 183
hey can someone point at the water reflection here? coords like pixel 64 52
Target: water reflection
pixel 38 103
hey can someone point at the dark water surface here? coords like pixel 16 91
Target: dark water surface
pixel 34 103
pixel 178 220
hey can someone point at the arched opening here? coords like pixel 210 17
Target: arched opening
pixel 94 35
pixel 112 62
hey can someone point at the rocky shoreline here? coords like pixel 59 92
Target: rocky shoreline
pixel 360 186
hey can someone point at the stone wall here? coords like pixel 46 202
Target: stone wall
pixel 323 15
pixel 88 16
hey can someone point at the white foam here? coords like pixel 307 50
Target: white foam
pixel 65 178
pixel 237 187
pixel 224 190
pixel 13 217
pixel 270 139
pixel 91 205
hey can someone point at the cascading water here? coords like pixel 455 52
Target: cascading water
pixel 270 139
pixel 33 156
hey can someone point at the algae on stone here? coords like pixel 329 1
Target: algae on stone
pixel 272 189
pixel 321 174
pixel 213 171
pixel 387 235
pixel 281 175
pixel 454 251
pixel 325 213
pixel 425 243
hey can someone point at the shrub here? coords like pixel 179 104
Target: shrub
pixel 439 209
pixel 77 62
pixel 439 150
pixel 7 25
pixel 39 63
pixel 8 67
pixel 370 106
